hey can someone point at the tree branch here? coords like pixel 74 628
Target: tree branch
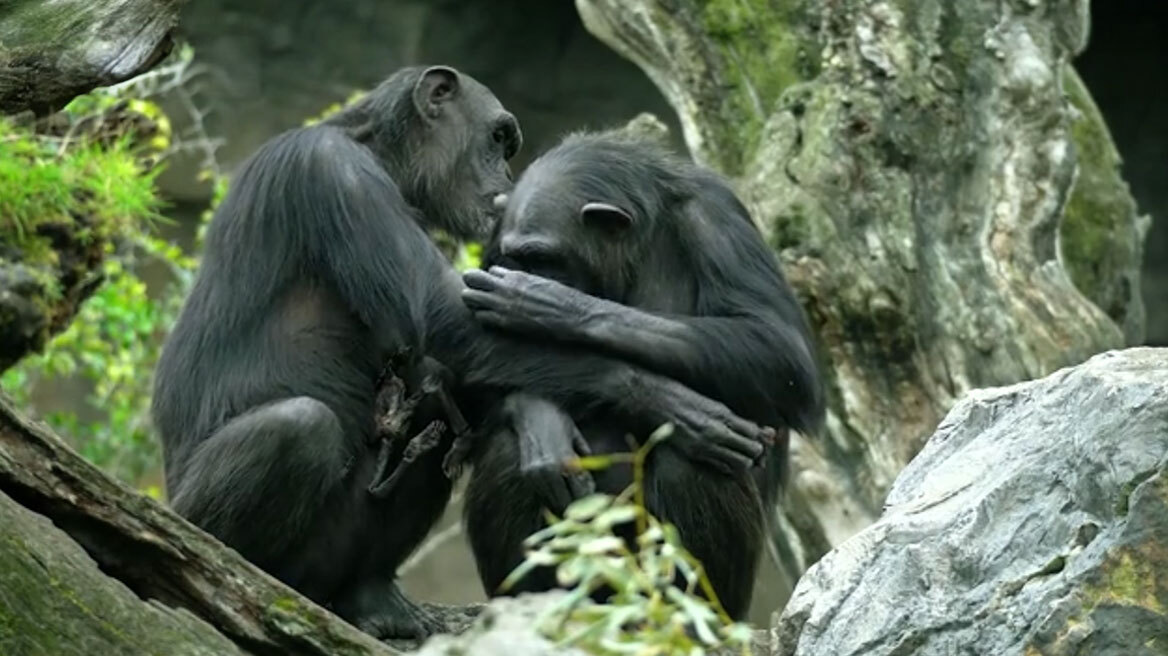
pixel 159 556
pixel 51 52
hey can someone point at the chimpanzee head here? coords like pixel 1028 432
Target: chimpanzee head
pixel 445 139
pixel 588 212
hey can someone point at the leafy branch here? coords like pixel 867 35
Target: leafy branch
pixel 647 612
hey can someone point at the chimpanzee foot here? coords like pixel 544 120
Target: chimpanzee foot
pixel 383 611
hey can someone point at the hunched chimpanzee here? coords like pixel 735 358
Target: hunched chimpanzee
pixel 317 271
pixel 647 258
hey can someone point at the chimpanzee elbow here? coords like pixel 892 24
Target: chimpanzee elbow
pixel 803 393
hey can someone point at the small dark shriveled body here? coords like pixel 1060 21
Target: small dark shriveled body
pixel 652 260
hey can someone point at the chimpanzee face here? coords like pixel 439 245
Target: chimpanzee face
pixel 566 220
pixel 463 143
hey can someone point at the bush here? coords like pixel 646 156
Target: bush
pixel 647 613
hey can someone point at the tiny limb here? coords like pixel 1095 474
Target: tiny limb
pixel 423 442
pixel 459 427
pixel 457 455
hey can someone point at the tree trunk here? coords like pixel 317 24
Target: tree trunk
pixel 942 192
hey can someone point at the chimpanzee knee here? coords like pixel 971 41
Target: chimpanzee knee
pixel 719 518
pixel 502 508
pixel 266 481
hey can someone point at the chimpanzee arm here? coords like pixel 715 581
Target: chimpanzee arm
pixel 333 211
pixel 748 343
pixel 705 429
pixel 362 240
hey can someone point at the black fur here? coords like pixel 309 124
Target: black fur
pixel 690 291
pixel 264 392
pixel 316 271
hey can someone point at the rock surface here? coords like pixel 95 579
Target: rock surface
pixel 1035 521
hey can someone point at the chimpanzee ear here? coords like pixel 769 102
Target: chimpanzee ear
pixel 609 218
pixel 437 86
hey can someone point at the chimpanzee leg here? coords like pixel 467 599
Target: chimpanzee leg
pixel 396 522
pixel 502 508
pixel 547 437
pixel 718 517
pixel 404 493
pixel 272 485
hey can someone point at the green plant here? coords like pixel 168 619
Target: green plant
pixel 647 613
pixel 95 167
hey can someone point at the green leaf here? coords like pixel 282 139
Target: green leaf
pixel 587 507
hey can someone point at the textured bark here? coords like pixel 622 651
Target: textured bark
pixel 51 51
pixel 913 163
pixel 35 307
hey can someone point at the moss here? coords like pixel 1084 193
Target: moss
pixel 1133 576
pixel 792 229
pixel 764 51
pixel 45 186
pixel 1096 233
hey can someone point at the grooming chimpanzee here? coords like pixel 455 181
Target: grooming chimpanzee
pixel 317 270
pixel 655 261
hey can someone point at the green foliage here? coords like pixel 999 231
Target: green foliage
pixel 95 169
pixel 648 613
pixel 42 183
pixel 335 107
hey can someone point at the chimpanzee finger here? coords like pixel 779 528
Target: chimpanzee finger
pixel 498 271
pixel 712 456
pixel 479 279
pixel 737 451
pixel 554 489
pixel 719 436
pixel 746 427
pixel 480 300
pixel 581 484
pixel 492 319
pixel 580 445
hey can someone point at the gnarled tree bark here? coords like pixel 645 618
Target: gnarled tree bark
pixel 944 197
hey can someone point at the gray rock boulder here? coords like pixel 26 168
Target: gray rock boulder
pixel 1034 522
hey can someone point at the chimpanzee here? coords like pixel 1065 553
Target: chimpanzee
pixel 609 243
pixel 317 271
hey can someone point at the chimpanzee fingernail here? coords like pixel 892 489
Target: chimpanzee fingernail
pixel 499 201
pixel 768 435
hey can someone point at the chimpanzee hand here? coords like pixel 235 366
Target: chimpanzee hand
pixel 547 439
pixel 704 429
pixel 521 302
